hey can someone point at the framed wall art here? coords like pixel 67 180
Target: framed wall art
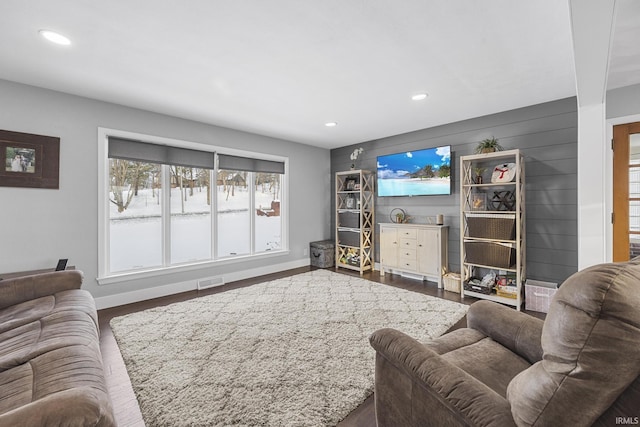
pixel 29 160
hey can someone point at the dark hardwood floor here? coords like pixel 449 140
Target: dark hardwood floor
pixel 124 401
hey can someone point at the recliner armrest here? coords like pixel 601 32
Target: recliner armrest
pixel 20 289
pixel 452 389
pixel 519 332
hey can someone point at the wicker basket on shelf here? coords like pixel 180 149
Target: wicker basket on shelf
pixel 451 282
pixel 498 255
pixel 492 226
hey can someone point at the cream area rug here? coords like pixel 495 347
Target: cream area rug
pixel 288 352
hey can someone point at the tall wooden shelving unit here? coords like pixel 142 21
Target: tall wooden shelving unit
pixel 355 220
pixel 470 189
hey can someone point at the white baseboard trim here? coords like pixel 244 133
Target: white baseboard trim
pixel 413 276
pixel 190 285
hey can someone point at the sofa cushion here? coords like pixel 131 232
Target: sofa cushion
pixel 61 387
pixel 591 344
pixel 57 330
pixel 481 357
pixel 31 310
pixel 14 291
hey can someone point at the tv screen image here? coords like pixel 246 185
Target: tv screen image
pixel 425 172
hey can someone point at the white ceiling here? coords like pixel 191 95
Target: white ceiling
pixel 624 64
pixel 283 68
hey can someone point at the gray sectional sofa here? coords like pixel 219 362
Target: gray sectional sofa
pixel 51 371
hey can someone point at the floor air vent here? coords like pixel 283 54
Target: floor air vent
pixel 210 282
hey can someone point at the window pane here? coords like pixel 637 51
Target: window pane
pixel 268 220
pixel 634 181
pixel 634 216
pixel 135 223
pixel 234 227
pixel 190 214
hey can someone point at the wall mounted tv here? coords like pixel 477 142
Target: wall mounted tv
pixel 425 172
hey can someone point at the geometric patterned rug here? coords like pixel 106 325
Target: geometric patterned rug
pixel 288 352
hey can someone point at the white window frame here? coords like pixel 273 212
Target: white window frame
pixel 105 277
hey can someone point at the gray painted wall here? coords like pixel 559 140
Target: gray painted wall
pixel 547 135
pixel 40 226
pixel 624 101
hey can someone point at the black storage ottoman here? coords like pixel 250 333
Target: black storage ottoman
pixel 322 253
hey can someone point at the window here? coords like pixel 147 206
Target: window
pixel 249 213
pixel 234 236
pixel 190 227
pixel 166 205
pixel 268 229
pixel 135 215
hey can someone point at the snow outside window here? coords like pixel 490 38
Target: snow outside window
pixel 234 218
pixel 166 208
pixel 248 201
pixel 135 215
pixel 268 234
pixel 190 214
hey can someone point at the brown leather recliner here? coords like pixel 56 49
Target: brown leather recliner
pixel 580 367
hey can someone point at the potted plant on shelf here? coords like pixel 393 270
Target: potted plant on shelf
pixel 488 145
pixel 479 171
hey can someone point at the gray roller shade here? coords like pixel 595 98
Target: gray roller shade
pixel 138 151
pixel 248 164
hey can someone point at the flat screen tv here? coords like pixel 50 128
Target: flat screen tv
pixel 425 172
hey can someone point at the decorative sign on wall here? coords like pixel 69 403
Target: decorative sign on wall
pixel 28 160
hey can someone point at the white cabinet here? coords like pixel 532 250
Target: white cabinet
pixel 429 255
pixel 417 249
pixel 388 247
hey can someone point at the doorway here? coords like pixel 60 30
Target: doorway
pixel 626 191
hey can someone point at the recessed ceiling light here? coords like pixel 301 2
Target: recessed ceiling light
pixel 331 124
pixel 54 37
pixel 419 96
